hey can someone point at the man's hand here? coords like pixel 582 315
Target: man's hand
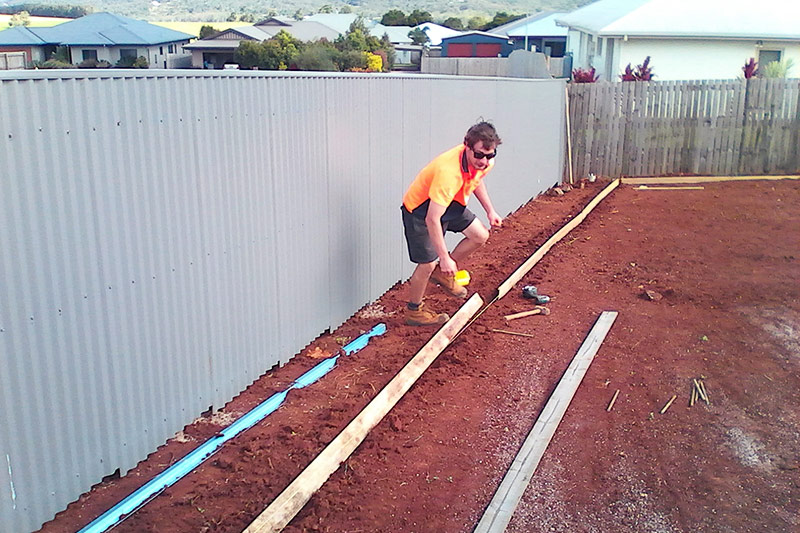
pixel 448 266
pixel 494 219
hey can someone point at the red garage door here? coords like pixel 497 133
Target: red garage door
pixel 459 50
pixel 488 50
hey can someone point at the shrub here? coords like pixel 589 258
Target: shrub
pixel 55 63
pixel 643 72
pixel 318 57
pixel 353 59
pixel 94 63
pixel 750 68
pixel 584 76
pixel 776 69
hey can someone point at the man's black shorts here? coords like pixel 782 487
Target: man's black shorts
pixel 456 218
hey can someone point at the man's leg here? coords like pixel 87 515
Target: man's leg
pixel 419 281
pixel 475 236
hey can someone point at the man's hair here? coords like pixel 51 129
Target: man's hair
pixel 484 132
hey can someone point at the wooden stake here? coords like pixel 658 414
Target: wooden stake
pixel 703 390
pixel 613 399
pixel 692 397
pixel 700 391
pixel 513 333
pixel 664 409
pixel 569 136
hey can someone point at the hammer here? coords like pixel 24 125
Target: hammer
pixel 539 310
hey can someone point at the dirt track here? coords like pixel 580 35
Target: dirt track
pixel 726 261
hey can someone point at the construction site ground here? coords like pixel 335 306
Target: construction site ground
pixel 723 268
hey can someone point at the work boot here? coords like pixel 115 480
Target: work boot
pixel 448 283
pixel 423 317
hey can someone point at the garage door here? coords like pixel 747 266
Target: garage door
pixel 459 50
pixel 488 50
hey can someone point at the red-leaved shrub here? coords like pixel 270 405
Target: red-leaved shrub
pixel 643 72
pixel 750 68
pixel 584 76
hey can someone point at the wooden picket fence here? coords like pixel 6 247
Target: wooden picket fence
pixel 716 128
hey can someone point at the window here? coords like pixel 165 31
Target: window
pixel 161 50
pixel 89 54
pixel 127 52
pixel 171 49
pixel 600 46
pixel 768 56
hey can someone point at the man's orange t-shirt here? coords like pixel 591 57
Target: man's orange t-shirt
pixel 444 180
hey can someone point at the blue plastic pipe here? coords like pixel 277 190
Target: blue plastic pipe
pixel 191 461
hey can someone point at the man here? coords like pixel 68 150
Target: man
pixel 436 202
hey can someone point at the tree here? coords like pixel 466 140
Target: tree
pixel 345 9
pixel 419 36
pixel 206 30
pixel 500 18
pixel 276 53
pixel 454 23
pixel 394 17
pixel 476 23
pixel 327 8
pixel 298 15
pixel 23 18
pixel 418 17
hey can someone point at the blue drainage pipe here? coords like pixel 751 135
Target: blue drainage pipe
pixel 191 461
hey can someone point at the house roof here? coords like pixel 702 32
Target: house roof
pixel 538 25
pixel 303 30
pixel 19 36
pixel 437 32
pixel 97 29
pixel 476 32
pixel 720 19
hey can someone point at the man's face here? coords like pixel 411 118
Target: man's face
pixel 476 155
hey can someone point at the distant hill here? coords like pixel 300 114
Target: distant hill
pixel 216 10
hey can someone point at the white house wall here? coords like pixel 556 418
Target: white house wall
pixel 696 59
pixel 184 231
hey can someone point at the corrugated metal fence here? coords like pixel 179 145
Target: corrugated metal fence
pixel 168 236
pixel 734 127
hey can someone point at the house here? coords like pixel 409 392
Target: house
pixel 685 39
pixel 476 44
pixel 100 37
pixel 436 32
pixel 537 32
pixel 217 50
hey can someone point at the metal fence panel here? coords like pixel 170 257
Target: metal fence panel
pixel 168 236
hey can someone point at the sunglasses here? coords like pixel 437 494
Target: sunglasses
pixel 481 155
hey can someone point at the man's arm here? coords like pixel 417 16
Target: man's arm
pixel 433 220
pixel 483 197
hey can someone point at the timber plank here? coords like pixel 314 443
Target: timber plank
pixel 505 501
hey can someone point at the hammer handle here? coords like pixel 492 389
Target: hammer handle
pixel 523 314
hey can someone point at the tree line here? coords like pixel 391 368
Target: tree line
pixel 43 10
pixel 395 17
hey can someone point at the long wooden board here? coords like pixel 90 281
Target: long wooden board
pixel 516 480
pixel 525 267
pixel 702 179
pixel 278 514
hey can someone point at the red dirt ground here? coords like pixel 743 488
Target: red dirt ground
pixel 726 260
